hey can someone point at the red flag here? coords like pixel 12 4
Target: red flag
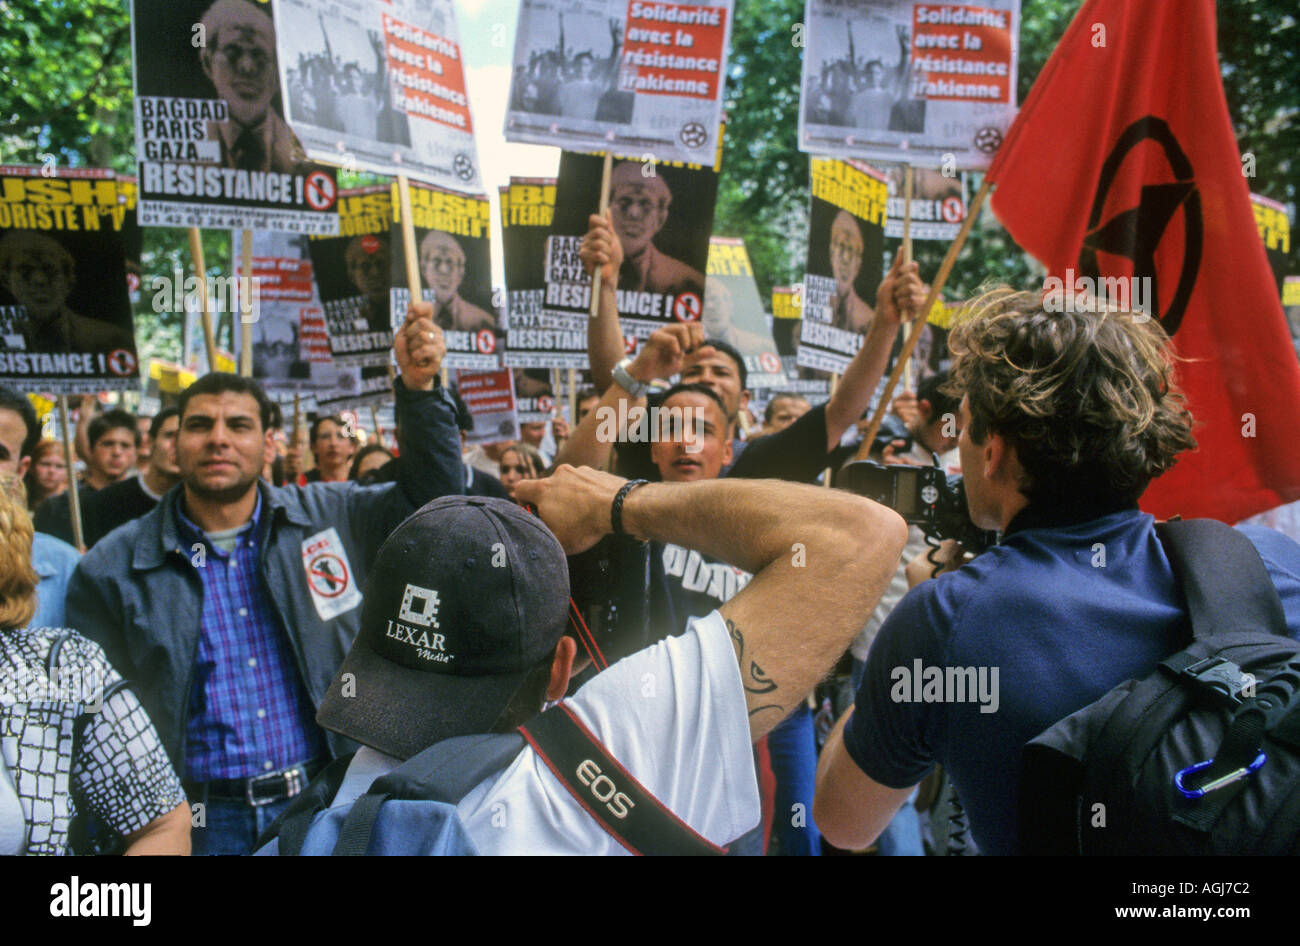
pixel 1123 163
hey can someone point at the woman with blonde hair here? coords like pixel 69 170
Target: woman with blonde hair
pixel 74 739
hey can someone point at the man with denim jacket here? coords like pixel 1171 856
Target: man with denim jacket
pixel 231 605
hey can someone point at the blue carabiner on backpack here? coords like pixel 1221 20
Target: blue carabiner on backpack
pixel 1220 782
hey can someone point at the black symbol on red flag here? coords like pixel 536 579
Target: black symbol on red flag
pixel 1137 232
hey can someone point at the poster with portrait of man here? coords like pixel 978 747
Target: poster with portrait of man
pixel 535 398
pixel 938 203
pixel 663 216
pixel 633 76
pixel 535 339
pixel 353 273
pixel 455 256
pixel 846 241
pixel 291 346
pixel 379 85
pixel 787 318
pixel 733 312
pixel 213 146
pixel 65 313
pixel 910 81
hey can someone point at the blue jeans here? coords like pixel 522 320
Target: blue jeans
pixel 793 748
pixel 232 827
pixel 902 837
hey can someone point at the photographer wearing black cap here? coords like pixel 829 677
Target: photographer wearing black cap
pixel 463 633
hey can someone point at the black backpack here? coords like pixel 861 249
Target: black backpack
pixel 1200 757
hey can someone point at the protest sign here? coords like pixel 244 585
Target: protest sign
pixel 927 84
pixel 65 312
pixel 490 397
pixel 379 85
pixel 291 345
pixel 845 252
pixel 356 386
pixel 624 75
pixel 938 203
pixel 1291 305
pixel 787 317
pixel 353 273
pixel 213 147
pixel 733 312
pixel 451 235
pixel 534 337
pixel 1275 230
pixel 535 399
pixel 662 214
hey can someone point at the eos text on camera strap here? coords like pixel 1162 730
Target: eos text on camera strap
pixel 607 791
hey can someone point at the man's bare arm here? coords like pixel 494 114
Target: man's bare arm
pixel 601 247
pixel 851 808
pixel 821 560
pixel 900 296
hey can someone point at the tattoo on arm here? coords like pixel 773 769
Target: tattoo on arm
pixel 754 679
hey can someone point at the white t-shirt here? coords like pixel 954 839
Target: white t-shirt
pixel 673 715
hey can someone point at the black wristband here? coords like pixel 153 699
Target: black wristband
pixel 616 508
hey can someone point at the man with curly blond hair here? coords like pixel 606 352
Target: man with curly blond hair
pixel 1066 419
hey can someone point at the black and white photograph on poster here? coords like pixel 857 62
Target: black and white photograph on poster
pixel 846 241
pixel 534 395
pixel 290 342
pixel 938 203
pixel 633 76
pixel 379 85
pixel 663 216
pixel 212 142
pixel 733 312
pixel 65 314
pixel 454 251
pixel 353 274
pixel 907 81
pixel 787 317
pixel 357 386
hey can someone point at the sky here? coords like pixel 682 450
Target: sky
pixel 487 41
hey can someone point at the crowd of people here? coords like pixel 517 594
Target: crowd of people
pixel 248 637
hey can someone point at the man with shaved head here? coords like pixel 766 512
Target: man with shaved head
pixel 369 263
pixel 39 273
pixel 639 208
pixel 238 57
pixel 850 311
pixel 442 265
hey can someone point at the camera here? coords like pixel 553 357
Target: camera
pixel 924 496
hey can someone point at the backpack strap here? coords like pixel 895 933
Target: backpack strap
pixel 292 824
pixel 607 791
pixel 444 772
pixel 1222 577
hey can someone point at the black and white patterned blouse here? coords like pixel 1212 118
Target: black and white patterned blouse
pixel 122 770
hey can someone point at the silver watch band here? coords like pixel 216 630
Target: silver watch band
pixel 628 383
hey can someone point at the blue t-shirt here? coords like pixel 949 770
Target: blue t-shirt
pixel 1042 625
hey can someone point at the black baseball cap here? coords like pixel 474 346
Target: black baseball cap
pixel 462 601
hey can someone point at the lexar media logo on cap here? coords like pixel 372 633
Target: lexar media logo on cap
pixel 420 608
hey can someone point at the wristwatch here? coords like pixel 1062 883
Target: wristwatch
pixel 628 383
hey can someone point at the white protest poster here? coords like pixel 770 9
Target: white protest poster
pixel 490 398
pixel 379 85
pixel 212 144
pixel 927 84
pixel 291 344
pixel 623 75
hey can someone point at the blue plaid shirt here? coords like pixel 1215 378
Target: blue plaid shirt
pixel 249 712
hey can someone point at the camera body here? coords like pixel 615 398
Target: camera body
pixel 925 496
